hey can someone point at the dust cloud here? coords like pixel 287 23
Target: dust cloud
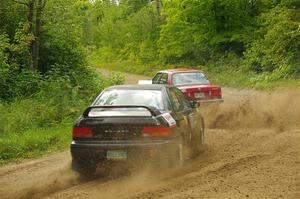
pixel 278 110
pixel 56 180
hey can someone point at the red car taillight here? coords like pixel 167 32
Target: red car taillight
pixel 79 132
pixel 216 92
pixel 156 131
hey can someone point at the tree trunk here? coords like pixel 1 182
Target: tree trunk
pixel 36 45
pixel 30 15
pixel 158 6
pixel 30 31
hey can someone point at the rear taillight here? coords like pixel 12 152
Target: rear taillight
pixel 156 131
pixel 216 92
pixel 79 132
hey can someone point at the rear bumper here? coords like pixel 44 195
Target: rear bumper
pixel 221 100
pixel 98 150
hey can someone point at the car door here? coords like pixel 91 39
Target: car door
pixel 182 111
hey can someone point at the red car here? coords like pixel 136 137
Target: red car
pixel 193 83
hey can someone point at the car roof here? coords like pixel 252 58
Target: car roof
pixel 139 87
pixel 178 70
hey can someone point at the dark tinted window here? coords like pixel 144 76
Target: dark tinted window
pixel 178 106
pixel 160 78
pixel 182 99
pixel 156 78
pixel 164 79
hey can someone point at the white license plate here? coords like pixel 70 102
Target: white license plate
pixel 116 155
pixel 199 95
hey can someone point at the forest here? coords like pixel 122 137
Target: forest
pixel 48 46
pixel 240 38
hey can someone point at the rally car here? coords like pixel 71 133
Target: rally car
pixel 129 121
pixel 193 83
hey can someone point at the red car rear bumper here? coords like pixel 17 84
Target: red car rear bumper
pixel 219 100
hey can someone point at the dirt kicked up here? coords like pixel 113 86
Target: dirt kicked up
pixel 252 151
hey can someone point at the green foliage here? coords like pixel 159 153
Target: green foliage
pixel 39 106
pixel 116 78
pixel 278 47
pixel 61 96
pixel 34 142
pixel 61 39
pixel 124 32
pixel 198 30
pixel 261 36
pixel 11 15
pixel 41 122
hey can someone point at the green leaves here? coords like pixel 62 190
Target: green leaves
pixel 279 44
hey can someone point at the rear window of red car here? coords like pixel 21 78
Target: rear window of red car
pixel 189 78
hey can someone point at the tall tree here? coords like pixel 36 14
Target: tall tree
pixel 158 6
pixel 36 45
pixel 34 11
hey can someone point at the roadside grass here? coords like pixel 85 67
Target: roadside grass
pixel 226 77
pixel 15 147
pixel 41 123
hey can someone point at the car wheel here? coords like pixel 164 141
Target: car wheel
pixel 198 138
pixel 86 168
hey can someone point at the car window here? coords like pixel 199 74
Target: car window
pixel 131 97
pixel 182 99
pixel 111 112
pixel 163 79
pixel 189 78
pixel 175 101
pixel 156 78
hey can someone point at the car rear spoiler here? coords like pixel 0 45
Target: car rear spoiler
pixel 154 111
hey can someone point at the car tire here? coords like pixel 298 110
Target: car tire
pixel 86 168
pixel 198 137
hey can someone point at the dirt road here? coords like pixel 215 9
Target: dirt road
pixel 252 151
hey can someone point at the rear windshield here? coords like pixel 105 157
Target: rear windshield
pixel 190 78
pixel 132 97
pixel 111 112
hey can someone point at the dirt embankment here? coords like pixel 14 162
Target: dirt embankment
pixel 252 151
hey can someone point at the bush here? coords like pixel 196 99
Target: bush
pixel 33 142
pixel 41 122
pixel 62 96
pixel 15 84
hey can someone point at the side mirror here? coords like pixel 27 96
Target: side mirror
pixel 195 104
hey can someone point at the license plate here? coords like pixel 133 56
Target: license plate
pixel 199 95
pixel 116 155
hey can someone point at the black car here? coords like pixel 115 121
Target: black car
pixel 128 121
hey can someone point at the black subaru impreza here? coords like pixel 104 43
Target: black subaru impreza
pixel 128 121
